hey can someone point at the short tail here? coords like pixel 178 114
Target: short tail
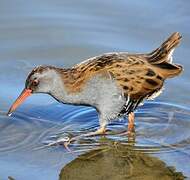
pixel 165 51
pixel 162 56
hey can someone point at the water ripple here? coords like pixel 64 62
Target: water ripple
pixel 160 127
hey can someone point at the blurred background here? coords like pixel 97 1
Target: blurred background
pixel 63 33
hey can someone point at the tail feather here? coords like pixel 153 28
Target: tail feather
pixel 169 70
pixel 165 51
pixel 162 57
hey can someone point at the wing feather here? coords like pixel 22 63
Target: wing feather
pixel 137 79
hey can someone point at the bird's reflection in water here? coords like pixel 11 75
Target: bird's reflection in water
pixel 116 161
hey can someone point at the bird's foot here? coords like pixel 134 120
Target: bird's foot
pixel 66 141
pixel 100 131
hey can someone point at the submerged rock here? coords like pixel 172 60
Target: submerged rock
pixel 118 162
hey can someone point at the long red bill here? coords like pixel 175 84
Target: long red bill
pixel 25 93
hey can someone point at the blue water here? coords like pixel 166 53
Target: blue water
pixel 64 33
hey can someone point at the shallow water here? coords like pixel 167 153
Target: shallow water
pixel 63 33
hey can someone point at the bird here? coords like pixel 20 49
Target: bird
pixel 115 83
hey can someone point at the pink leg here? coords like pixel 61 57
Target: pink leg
pixel 131 119
pixel 131 127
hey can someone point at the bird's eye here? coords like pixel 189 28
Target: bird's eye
pixel 35 82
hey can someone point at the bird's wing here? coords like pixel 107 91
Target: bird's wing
pixel 137 79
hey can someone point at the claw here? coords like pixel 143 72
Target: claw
pixel 66 145
pixel 100 131
pixel 67 141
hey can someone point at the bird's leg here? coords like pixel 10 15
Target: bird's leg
pixel 131 120
pixel 131 127
pixel 100 131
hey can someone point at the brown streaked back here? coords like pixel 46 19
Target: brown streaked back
pixel 138 75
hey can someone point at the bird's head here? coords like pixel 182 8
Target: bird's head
pixel 40 80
